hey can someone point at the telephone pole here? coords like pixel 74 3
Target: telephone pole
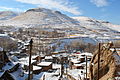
pixel 31 42
pixel 86 67
pixel 98 62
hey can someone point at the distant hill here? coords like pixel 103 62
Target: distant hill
pixel 43 18
pixel 5 15
pixel 94 24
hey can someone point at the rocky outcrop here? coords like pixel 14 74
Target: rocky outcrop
pixel 109 64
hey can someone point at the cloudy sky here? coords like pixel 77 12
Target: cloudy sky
pixel 107 10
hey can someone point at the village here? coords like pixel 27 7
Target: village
pixel 54 55
pixel 59 40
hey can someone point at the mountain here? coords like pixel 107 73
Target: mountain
pixel 46 18
pixel 43 18
pixel 98 30
pixel 5 15
pixel 94 24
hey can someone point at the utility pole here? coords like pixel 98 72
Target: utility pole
pixel 98 62
pixel 86 67
pixel 67 67
pixel 62 68
pixel 31 41
pixel 39 46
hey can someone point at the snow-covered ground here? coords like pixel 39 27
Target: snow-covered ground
pixel 77 73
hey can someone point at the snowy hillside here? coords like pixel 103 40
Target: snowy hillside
pixel 46 18
pixel 42 17
pixel 94 24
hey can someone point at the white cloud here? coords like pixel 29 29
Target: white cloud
pixel 63 5
pixel 100 3
pixel 10 9
pixel 5 8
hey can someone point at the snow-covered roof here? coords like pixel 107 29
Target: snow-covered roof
pixel 87 54
pixel 56 66
pixel 39 76
pixel 77 64
pixel 25 60
pixel 84 63
pixel 36 68
pixel 44 64
pixel 1 73
pixel 13 39
pixel 13 58
pixel 78 55
pixel 3 35
pixel 20 40
pixel 46 76
pixel 81 55
pixel 26 44
pixel 53 55
pixel 1 49
pixel 14 52
pixel 50 76
pixel 75 61
pixel 7 66
pixel 77 35
pixel 62 55
pixel 48 57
